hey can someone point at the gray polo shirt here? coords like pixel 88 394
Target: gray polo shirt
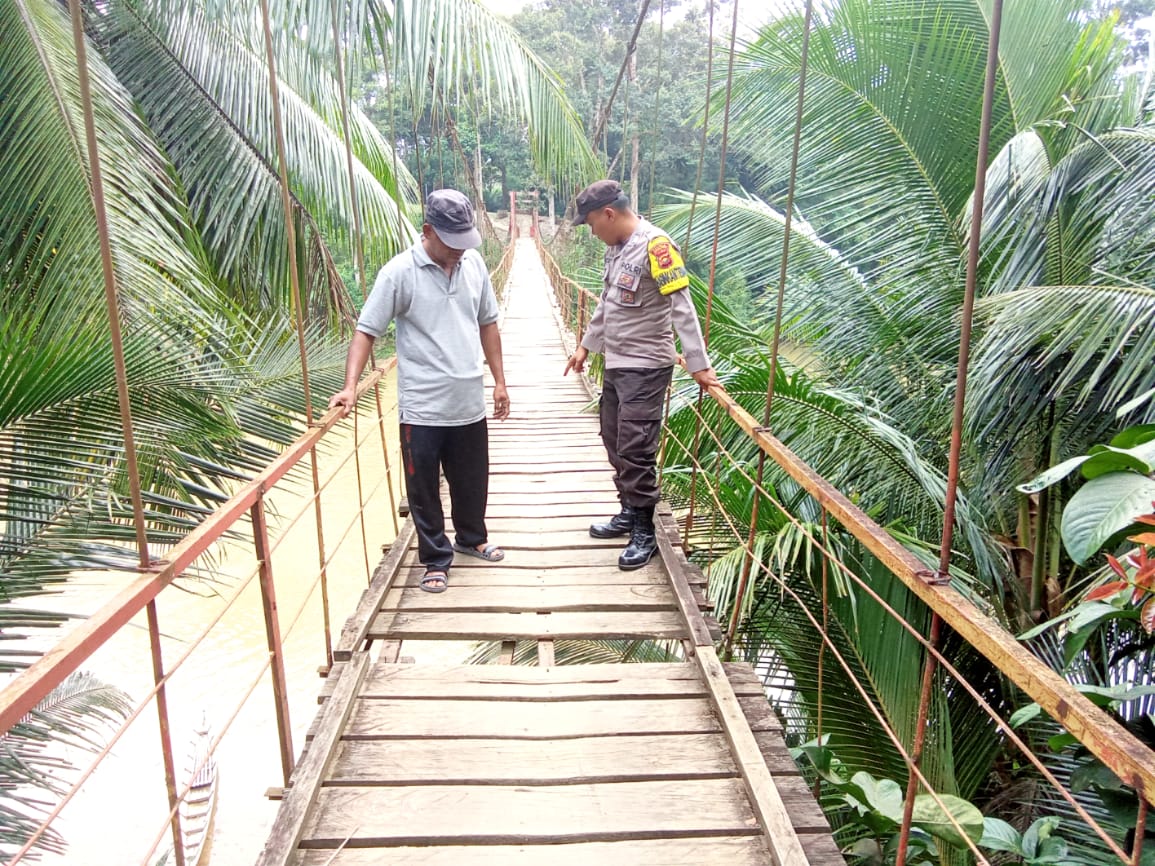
pixel 440 379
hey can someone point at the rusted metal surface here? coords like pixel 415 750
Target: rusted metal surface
pixel 957 420
pixel 100 210
pixel 273 637
pixel 1140 832
pixel 928 669
pixel 159 678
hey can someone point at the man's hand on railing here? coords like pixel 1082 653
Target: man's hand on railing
pixel 577 361
pixel 345 398
pixel 706 378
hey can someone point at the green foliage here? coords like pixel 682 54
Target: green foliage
pixel 74 714
pixel 1037 846
pixel 585 44
pixel 878 805
pixel 1119 487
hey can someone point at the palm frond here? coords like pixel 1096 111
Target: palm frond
pixel 446 49
pixel 185 70
pixel 75 713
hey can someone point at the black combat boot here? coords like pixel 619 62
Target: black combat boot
pixel 643 542
pixel 617 526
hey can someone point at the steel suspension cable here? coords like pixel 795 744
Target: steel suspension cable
pixel 822 546
pixel 631 47
pixel 792 186
pixel 714 251
pixel 705 123
pixel 298 306
pixel 112 303
pixel 686 247
pixel 657 110
pixel 358 248
pixel 957 418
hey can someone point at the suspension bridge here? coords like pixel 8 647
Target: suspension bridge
pixel 645 763
pixel 659 763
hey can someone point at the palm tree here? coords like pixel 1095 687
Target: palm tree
pixel 187 146
pixel 875 281
pixel 186 141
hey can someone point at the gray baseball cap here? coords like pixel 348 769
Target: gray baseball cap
pixel 599 194
pixel 451 215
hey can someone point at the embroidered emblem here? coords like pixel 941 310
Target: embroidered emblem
pixel 628 297
pixel 661 253
pixel 667 267
pixel 626 281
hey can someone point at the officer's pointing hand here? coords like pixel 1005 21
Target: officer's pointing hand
pixel 577 361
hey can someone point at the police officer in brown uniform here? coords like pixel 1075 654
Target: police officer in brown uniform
pixel 645 298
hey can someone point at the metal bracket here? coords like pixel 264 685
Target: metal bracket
pixel 933 578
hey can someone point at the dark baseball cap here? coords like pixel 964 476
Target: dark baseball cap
pixel 451 215
pixel 599 194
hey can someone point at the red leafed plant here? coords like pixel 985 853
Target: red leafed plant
pixel 1135 574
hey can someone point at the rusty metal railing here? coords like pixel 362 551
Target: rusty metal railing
pixel 250 501
pixel 1123 754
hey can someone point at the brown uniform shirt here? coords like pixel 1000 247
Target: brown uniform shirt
pixel 645 299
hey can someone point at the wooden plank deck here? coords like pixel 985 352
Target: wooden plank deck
pixel 631 764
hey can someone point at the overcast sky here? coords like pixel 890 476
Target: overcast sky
pixel 505 7
pixel 750 13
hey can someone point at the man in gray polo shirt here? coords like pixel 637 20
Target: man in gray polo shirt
pixel 439 294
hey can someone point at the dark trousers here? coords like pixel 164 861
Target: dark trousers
pixel 463 452
pixel 631 421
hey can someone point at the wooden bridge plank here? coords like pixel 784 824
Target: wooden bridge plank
pixel 725 851
pixel 518 814
pixel 767 801
pixel 604 557
pixel 660 625
pixel 521 466
pixel 532 762
pixel 530 500
pixel 357 626
pixel 295 810
pixel 399 719
pixel 516 599
pixel 524 683
pixel 571 540
pixel 598 510
pixel 567 682
pixel 579 575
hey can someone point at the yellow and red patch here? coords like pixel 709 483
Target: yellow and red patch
pixel 667 267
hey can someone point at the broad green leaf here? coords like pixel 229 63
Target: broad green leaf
pixel 1081 626
pixel 1133 436
pixel 1105 459
pixel 1038 831
pixel 824 761
pixel 998 835
pixel 883 796
pixel 1101 508
pixel 1104 695
pixel 1043 626
pixel 1061 741
pixel 1053 475
pixel 1024 714
pixel 929 815
pixel 1096 774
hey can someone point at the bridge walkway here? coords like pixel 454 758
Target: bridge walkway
pixel 616 764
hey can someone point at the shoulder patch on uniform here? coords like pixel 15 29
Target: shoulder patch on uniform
pixel 666 266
